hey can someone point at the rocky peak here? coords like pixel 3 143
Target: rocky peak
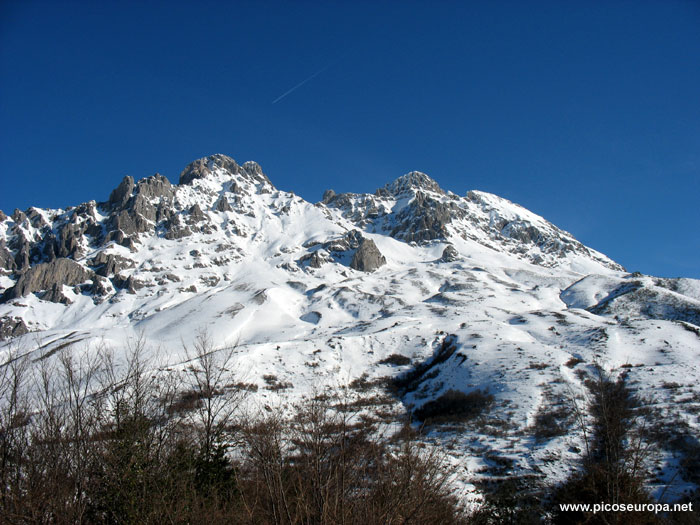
pixel 155 186
pixel 121 194
pixel 200 168
pixel 413 181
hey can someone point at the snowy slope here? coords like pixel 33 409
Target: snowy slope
pixel 526 306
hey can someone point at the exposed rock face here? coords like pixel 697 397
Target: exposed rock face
pixel 55 295
pixel 174 229
pixel 122 193
pixel 196 214
pixel 198 170
pixel 156 186
pixel 136 208
pixel 367 258
pixel 313 259
pixel 415 180
pixel 129 222
pixel 425 219
pixel 449 254
pixel 349 241
pixel 328 196
pixel 7 262
pixel 20 244
pixel 12 327
pixel 46 276
pixel 18 216
pixel 36 219
pixel 121 239
pixel 130 284
pixel 109 264
pixel 68 242
pixel 254 170
pixel 222 205
pixel 201 168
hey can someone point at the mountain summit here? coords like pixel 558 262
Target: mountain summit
pixel 413 181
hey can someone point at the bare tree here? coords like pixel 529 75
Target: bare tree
pixel 14 436
pixel 213 387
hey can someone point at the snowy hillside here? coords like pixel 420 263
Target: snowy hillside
pixel 477 293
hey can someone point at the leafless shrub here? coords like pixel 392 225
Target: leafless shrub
pixel 454 406
pixel 396 360
pixel 571 363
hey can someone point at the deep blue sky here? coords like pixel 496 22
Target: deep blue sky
pixel 587 113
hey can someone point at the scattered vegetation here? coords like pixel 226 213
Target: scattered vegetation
pixel 552 419
pixel 274 384
pixel 514 501
pixel 91 439
pixel 410 380
pixel 396 360
pixel 88 438
pixel 616 454
pixel 571 363
pixel 454 406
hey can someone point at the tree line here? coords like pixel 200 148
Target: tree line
pixel 89 438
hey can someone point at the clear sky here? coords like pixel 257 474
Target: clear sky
pixel 585 112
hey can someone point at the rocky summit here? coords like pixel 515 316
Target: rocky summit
pixel 413 285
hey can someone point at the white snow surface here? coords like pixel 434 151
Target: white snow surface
pixel 518 313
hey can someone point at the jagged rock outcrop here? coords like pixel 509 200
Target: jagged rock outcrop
pixel 22 248
pixel 155 186
pixel 201 168
pixel 36 218
pixel 12 327
pixel 56 295
pixel 107 264
pixel 7 261
pixel 313 260
pixel 413 181
pixel 129 222
pixel 349 241
pixel 130 283
pixel 195 214
pixel 138 207
pixel 175 229
pixel 425 219
pixel 222 205
pixel 367 258
pixel 328 196
pixel 122 193
pixel 118 237
pixel 254 171
pixel 449 254
pixel 46 276
pixel 422 219
pixel 18 216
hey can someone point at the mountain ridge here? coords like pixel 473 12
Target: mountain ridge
pixel 324 294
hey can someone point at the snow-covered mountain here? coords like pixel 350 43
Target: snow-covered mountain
pixel 473 292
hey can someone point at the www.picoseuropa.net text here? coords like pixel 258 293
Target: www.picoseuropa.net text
pixel 626 507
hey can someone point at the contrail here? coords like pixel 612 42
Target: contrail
pixel 300 84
